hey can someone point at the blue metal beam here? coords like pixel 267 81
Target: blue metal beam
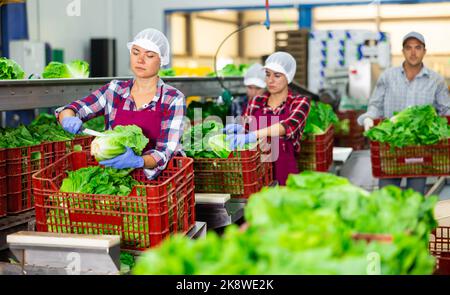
pixel 304 17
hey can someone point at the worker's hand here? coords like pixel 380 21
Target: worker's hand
pixel 233 129
pixel 126 160
pixel 71 124
pixel 239 140
pixel 368 123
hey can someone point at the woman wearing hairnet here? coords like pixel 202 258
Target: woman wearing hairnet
pixel 278 114
pixel 254 81
pixel 146 101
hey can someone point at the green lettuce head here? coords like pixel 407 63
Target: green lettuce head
pixel 115 141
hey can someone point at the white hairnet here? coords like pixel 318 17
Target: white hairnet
pixel 255 75
pixel 153 40
pixel 282 62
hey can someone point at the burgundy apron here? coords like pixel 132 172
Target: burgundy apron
pixel 149 121
pixel 286 163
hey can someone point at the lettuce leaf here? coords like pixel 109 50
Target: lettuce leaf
pixel 416 125
pixel 115 141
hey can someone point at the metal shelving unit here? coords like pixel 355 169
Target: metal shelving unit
pixel 44 93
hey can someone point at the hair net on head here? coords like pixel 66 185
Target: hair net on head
pixel 153 40
pixel 282 62
pixel 255 75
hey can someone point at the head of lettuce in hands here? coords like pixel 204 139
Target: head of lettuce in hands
pixel 115 141
pixel 206 140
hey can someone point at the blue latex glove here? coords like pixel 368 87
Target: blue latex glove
pixel 71 124
pixel 239 140
pixel 233 128
pixel 125 160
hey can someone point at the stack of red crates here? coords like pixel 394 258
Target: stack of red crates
pixel 355 138
pixel 316 152
pixel 439 246
pixel 241 174
pixel 3 200
pixel 150 213
pixel 21 164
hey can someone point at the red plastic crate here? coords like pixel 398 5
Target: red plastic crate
pixel 21 163
pixel 3 200
pixel 79 143
pixel 83 142
pixel 411 161
pixel 352 116
pixel 355 138
pixel 358 142
pixel 240 175
pixel 144 218
pixel 316 152
pixel 439 246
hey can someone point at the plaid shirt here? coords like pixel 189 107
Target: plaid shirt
pixel 107 99
pixel 298 109
pixel 394 93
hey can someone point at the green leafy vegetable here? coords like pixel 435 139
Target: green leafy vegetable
pixel 78 69
pixel 416 125
pixel 115 141
pixel 197 139
pixel 231 70
pixel 342 127
pixel 310 227
pixel 10 70
pixel 98 180
pixel 74 69
pixel 97 124
pixel 170 72
pixel 17 137
pixel 209 108
pixel 320 116
pixel 56 70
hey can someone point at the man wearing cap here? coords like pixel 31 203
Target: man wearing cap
pixel 145 101
pixel 255 86
pixel 407 85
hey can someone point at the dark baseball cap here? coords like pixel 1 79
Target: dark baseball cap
pixel 414 35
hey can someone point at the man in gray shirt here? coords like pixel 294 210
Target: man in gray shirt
pixel 404 86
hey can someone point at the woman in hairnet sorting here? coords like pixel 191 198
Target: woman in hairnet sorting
pixel 255 84
pixel 278 114
pixel 146 101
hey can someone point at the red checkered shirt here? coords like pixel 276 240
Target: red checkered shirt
pixel 106 100
pixel 295 124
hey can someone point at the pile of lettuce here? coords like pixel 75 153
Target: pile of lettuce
pixel 10 70
pixel 310 227
pixel 114 142
pixel 206 140
pixel 170 72
pixel 416 125
pixel 75 69
pixel 99 180
pixel 320 117
pixel 42 129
